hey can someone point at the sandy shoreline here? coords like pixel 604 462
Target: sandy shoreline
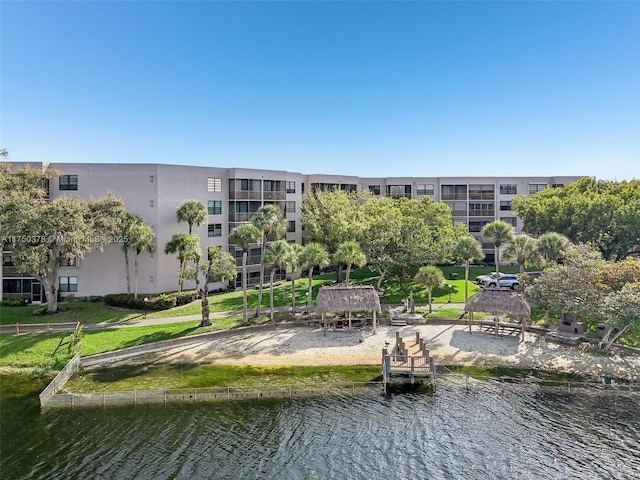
pixel 449 344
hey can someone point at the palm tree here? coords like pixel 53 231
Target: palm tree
pixel 552 246
pixel 268 219
pixel 430 277
pixel 193 212
pixel 128 221
pixel 467 248
pixel 141 239
pixel 244 236
pixel 275 256
pixel 500 232
pixel 181 244
pixel 312 255
pixel 220 266
pixel 293 262
pixel 349 253
pixel 523 249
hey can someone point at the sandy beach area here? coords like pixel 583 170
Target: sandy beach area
pixel 450 344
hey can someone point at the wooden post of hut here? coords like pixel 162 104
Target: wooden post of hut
pixel 499 302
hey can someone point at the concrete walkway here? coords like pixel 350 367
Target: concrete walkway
pixel 141 321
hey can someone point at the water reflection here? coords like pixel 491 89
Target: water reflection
pixel 484 431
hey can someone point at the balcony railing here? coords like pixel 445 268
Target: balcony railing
pixel 481 213
pixel 454 196
pixel 277 195
pixel 459 213
pixel 482 196
pixel 251 260
pixel 245 195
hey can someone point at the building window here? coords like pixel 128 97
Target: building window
pixel 399 191
pixel 510 220
pixel 425 189
pixel 214 207
pixel 290 207
pixel 557 185
pixel 374 189
pixel 68 284
pixel 505 205
pixel 151 203
pixel 214 184
pixel 214 230
pixel 68 182
pixel 536 187
pixel 151 179
pixel 291 187
pixel 292 226
pixel 508 189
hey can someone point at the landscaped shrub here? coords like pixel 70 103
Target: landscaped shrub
pixel 185 297
pixel 156 302
pixel 14 302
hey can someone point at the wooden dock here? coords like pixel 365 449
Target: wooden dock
pixel 409 360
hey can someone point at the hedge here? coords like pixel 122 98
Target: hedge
pixel 163 301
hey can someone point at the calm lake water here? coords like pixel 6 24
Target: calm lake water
pixel 486 431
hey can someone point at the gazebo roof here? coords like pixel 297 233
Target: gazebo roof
pixel 499 302
pixel 348 299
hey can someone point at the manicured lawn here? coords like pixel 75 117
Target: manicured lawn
pixel 83 312
pixel 38 350
pixel 128 377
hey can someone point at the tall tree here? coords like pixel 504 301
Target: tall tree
pixel 430 276
pixel 552 246
pixel 313 255
pixel 193 213
pixel 331 217
pixel 244 236
pixel 605 214
pixel 500 232
pixel 186 247
pixel 467 248
pixel 128 221
pixel 575 285
pixel 219 266
pixel 292 262
pixel 41 233
pixel 141 238
pixel 350 254
pixel 524 250
pixel 269 220
pixel 275 257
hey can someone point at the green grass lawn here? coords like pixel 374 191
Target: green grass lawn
pixel 83 312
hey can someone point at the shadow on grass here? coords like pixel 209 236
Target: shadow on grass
pixel 157 337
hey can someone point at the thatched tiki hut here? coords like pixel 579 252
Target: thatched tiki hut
pixel 348 299
pixel 499 302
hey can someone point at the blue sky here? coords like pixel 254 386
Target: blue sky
pixel 350 88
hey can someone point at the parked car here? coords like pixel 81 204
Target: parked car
pixel 506 281
pixel 482 280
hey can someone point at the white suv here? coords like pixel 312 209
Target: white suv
pixel 506 281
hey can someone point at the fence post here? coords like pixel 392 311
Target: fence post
pixel 48 328
pixel 17 329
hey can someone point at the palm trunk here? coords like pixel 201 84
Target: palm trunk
pixel 430 300
pixel 348 272
pixel 497 265
pixel 261 275
pixel 245 319
pixel 309 291
pixel 293 293
pixel 273 274
pixel 205 304
pixel 466 281
pixel 126 267
pixel 135 277
pixel 382 274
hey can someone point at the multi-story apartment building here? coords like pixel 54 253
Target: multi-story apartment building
pixel 232 196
